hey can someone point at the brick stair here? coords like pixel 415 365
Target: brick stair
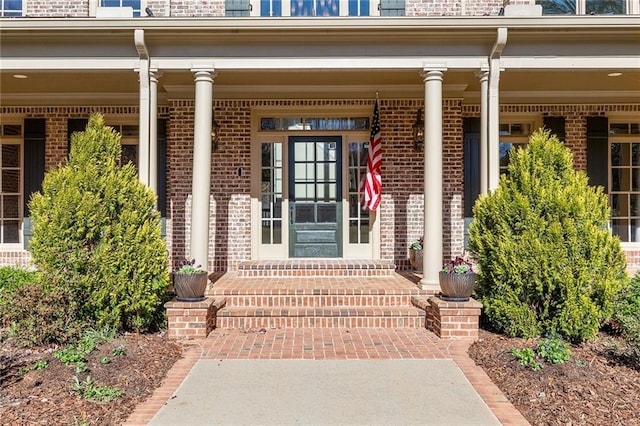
pixel 292 294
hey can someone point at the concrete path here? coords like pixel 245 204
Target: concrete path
pixel 326 376
pixel 329 392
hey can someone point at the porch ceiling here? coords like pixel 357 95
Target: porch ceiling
pixel 516 86
pixel 93 61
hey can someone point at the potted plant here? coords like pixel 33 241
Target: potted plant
pixel 415 254
pixel 190 282
pixel 457 280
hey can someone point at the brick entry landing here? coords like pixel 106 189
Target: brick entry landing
pixel 320 294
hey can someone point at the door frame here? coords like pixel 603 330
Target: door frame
pixel 260 251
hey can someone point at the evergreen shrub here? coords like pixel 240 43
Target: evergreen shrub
pixel 96 233
pixel 548 263
pixel 626 317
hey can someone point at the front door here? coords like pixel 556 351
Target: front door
pixel 315 196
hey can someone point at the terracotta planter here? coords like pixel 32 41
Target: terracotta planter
pixel 457 287
pixel 415 257
pixel 190 287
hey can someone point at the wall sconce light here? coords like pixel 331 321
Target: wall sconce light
pixel 214 135
pixel 418 131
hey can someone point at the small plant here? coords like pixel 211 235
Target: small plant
pixel 458 266
pixel 69 355
pixel 88 390
pixel 118 351
pixel 527 358
pixel 554 350
pixel 417 245
pixel 189 267
pixel 81 367
pixel 40 365
pixel 105 360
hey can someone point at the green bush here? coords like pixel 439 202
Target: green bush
pixel 96 233
pixel 34 314
pixel 548 264
pixel 626 317
pixel 12 277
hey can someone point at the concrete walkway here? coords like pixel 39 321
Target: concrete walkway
pixel 326 377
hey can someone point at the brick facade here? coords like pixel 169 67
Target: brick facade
pixel 230 215
pixel 212 8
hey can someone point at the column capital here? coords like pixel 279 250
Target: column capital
pixel 204 73
pixel 154 75
pixel 483 74
pixel 433 73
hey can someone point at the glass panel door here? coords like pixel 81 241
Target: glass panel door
pixel 315 196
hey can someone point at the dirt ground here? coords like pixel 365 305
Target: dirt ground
pixel 595 387
pixel 46 396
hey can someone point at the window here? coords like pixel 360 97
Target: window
pixel 358 218
pixel 392 7
pixel 270 7
pixel 10 183
pixel 129 135
pixel 624 180
pixel 238 7
pixel 513 135
pixel 11 8
pixel 271 193
pixel 359 8
pixel 134 4
pixel 582 7
pixel 301 8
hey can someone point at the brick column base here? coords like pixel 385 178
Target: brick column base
pixel 192 320
pixel 454 320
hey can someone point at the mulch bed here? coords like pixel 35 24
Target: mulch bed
pixel 595 387
pixel 46 396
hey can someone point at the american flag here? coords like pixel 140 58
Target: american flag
pixel 373 178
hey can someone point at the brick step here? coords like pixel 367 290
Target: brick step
pixel 317 301
pixel 316 268
pixel 337 316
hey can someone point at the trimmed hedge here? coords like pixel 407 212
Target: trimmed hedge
pixel 549 265
pixel 96 234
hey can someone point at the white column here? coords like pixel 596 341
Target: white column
pixel 201 182
pixel 484 125
pixel 493 109
pixel 144 117
pixel 432 260
pixel 154 75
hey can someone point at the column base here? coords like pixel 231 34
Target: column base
pixel 430 286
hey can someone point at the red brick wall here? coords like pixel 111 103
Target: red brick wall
pixel 58 8
pixel 230 227
pixel 193 8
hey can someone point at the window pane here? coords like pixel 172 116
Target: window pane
pixel 635 184
pixel 277 232
pixel 364 230
pixel 353 232
pixel 12 130
pixel 328 8
pixel 10 231
pixel 301 7
pixel 635 230
pixel 327 213
pixel 10 155
pixel 10 204
pixel 266 232
pixel 10 181
pixel 557 7
pixel 605 7
pixel 620 227
pixel 129 154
